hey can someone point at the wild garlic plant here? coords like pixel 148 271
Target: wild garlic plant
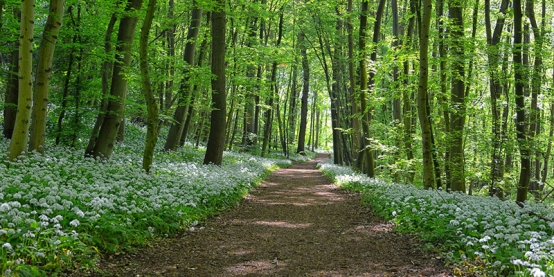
pixel 59 208
pixel 508 240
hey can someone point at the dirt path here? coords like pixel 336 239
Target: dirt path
pixel 297 223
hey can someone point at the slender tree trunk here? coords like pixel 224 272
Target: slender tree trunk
pixel 292 106
pixel 443 95
pixel 274 89
pixel 536 82
pixel 426 129
pixel 170 65
pixel 195 90
pixel 365 154
pixel 116 104
pixel 305 92
pixel 235 127
pixel 43 74
pixel 457 100
pixel 545 168
pixel 18 142
pixel 216 140
pixel 107 68
pixel 354 94
pixel 367 82
pixel 521 117
pixel 12 91
pixel 151 105
pixel 184 102
pixel 495 87
pixel 406 99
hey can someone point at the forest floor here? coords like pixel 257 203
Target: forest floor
pixel 296 223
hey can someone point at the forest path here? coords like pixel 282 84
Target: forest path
pixel 296 223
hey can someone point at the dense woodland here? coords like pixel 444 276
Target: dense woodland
pixel 443 94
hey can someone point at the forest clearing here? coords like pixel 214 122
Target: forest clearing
pixel 128 122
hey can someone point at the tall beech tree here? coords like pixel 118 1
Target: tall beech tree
pixel 43 75
pixel 457 101
pixel 216 140
pixel 116 104
pixel 19 139
pixel 424 16
pixel 521 112
pixel 365 158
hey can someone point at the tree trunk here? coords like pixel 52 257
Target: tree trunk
pixel 107 68
pixel 305 92
pixel 407 99
pixel 356 125
pixel 495 87
pixel 43 74
pixel 18 142
pixel 116 104
pixel 195 90
pixel 521 117
pixel 426 130
pixel 443 95
pixel 151 105
pixel 185 91
pixel 216 140
pixel 365 154
pixel 536 82
pixel 274 91
pixel 457 100
pixel 12 92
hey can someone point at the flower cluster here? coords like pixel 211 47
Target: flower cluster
pixel 509 240
pixel 57 205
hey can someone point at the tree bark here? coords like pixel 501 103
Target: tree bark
pixel 521 117
pixel 12 90
pixel 185 91
pixel 107 68
pixel 18 142
pixel 426 130
pixel 407 98
pixel 457 100
pixel 274 89
pixel 216 140
pixel 43 74
pixel 495 87
pixel 116 104
pixel 151 105
pixel 305 92
pixel 356 125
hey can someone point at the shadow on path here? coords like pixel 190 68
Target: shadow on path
pixel 297 223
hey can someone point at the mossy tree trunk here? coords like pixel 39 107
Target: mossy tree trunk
pixel 44 72
pixel 151 104
pixel 422 99
pixel 18 143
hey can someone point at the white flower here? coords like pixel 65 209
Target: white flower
pixel 8 246
pixel 485 239
pixel 80 213
pixel 4 207
pixel 393 213
pixel 537 272
pixel 74 223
